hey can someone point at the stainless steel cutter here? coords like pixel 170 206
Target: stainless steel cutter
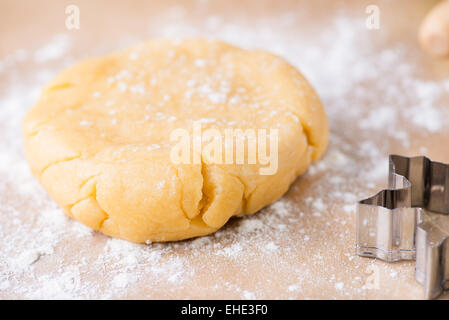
pixel 410 220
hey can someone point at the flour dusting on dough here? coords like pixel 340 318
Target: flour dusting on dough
pixel 39 252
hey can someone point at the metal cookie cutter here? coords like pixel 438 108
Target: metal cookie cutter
pixel 410 220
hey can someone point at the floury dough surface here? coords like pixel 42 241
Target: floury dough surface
pixel 381 93
pixel 100 137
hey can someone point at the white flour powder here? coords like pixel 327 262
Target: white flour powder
pixel 40 251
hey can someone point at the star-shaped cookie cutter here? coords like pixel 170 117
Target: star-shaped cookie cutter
pixel 410 220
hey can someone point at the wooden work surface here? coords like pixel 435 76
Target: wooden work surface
pixel 382 94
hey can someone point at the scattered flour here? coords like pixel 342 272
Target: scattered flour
pixel 248 295
pixel 44 255
pixel 231 251
pixel 339 286
pixel 250 225
pixel 55 49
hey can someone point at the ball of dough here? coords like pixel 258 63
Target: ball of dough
pixel 99 138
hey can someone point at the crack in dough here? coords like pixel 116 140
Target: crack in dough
pixel 58 162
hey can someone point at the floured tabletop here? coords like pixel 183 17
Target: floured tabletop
pixel 382 95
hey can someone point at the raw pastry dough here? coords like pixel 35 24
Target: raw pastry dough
pixel 99 137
